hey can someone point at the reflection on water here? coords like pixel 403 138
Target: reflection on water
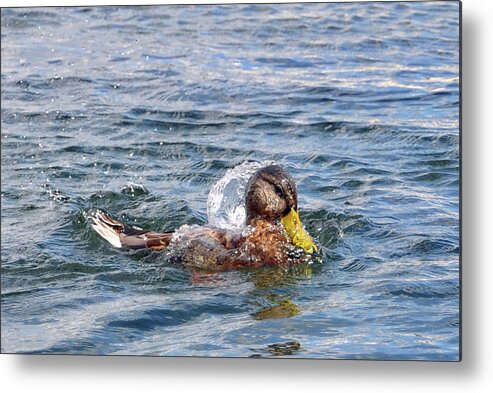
pixel 359 101
pixel 278 349
pixel 283 309
pixel 272 278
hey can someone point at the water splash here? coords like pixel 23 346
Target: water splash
pixel 134 190
pixel 226 201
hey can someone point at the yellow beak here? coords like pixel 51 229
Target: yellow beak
pixel 296 231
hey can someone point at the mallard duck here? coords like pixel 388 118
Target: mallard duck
pixel 273 235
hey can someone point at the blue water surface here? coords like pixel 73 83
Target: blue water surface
pixel 140 110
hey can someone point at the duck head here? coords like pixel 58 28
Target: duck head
pixel 271 195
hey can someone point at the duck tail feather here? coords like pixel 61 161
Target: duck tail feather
pixel 108 228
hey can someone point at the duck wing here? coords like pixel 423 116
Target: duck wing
pixel 120 235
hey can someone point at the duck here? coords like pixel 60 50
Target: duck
pixel 273 234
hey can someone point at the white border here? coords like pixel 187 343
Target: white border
pixel 473 374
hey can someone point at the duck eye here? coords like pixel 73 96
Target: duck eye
pixel 279 191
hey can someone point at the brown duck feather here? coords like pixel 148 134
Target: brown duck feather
pixel 119 235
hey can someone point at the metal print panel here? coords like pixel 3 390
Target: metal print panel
pixel 247 180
